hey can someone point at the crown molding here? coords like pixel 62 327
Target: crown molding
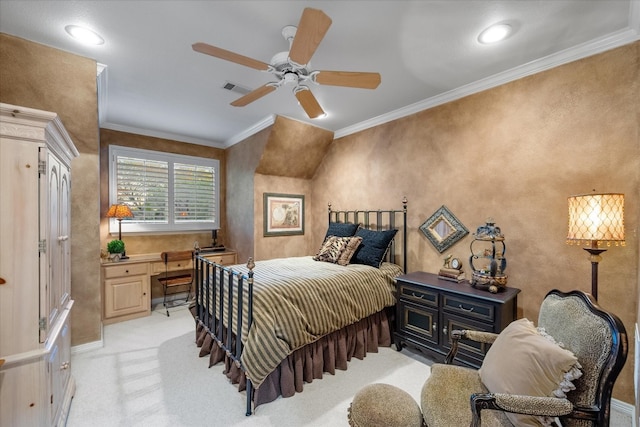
pixel 593 47
pixel 101 89
pixel 163 135
pixel 257 127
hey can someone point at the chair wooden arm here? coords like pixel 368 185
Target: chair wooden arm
pixel 528 405
pixel 457 335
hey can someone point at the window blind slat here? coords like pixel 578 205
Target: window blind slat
pixel 144 185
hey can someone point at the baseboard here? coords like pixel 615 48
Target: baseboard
pixel 93 345
pixel 87 347
pixel 636 372
pixel 623 413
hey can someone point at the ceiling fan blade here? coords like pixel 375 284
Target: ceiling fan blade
pixel 312 27
pixel 230 56
pixel 254 95
pixel 348 79
pixel 309 103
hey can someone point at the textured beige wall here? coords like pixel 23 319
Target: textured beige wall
pixel 37 76
pixel 242 160
pixel 514 153
pixel 305 147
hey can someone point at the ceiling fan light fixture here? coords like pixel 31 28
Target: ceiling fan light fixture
pixel 495 33
pixel 290 77
pixel 84 35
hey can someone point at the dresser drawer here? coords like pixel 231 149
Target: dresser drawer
pixel 112 271
pixel 469 308
pixel 159 267
pixel 423 296
pixel 223 259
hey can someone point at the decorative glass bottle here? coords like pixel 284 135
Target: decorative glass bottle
pixel 487 259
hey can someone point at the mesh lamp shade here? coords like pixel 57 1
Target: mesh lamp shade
pixel 596 219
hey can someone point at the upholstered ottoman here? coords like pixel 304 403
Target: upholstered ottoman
pixel 383 405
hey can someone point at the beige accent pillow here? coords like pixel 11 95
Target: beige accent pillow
pixel 349 249
pixel 331 249
pixel 522 361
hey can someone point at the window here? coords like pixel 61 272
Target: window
pixel 166 192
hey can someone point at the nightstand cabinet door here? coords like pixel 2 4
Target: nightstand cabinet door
pixel 429 308
pixel 469 352
pixel 419 323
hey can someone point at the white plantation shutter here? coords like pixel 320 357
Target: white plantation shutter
pixel 143 186
pixel 194 190
pixel 165 192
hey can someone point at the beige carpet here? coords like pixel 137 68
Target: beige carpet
pixel 149 374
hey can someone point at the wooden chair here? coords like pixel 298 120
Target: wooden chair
pixel 456 396
pixel 176 283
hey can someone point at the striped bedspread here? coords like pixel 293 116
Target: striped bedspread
pixel 298 300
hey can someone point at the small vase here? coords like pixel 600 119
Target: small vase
pixel 115 257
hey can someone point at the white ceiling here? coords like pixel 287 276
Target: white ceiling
pixel 425 51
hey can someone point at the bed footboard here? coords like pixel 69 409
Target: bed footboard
pixel 222 293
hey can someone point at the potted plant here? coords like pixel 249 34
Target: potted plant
pixel 115 249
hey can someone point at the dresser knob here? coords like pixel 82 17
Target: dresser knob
pixel 445 331
pixel 126 271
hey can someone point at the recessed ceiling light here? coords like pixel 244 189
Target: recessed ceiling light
pixel 495 33
pixel 84 35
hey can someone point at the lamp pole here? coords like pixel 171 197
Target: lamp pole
pixel 595 258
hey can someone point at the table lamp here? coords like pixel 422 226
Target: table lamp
pixel 596 219
pixel 119 211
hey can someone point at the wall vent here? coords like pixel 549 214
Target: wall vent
pixel 233 87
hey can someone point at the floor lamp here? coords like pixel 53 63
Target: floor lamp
pixel 119 212
pixel 596 219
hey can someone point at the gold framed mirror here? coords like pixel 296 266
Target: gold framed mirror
pixel 443 229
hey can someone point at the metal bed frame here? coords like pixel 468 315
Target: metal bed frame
pixel 209 290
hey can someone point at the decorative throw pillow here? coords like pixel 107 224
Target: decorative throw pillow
pixel 374 246
pixel 349 249
pixel 523 361
pixel 331 249
pixel 341 229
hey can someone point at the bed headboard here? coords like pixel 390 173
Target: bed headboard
pixel 378 219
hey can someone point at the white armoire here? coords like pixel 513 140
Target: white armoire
pixel 36 385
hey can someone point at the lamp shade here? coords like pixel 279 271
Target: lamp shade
pixel 596 218
pixel 119 211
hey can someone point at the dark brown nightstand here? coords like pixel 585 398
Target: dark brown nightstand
pixel 429 308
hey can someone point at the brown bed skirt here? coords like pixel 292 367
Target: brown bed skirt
pixel 331 352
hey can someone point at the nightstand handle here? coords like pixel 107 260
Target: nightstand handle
pixel 468 310
pixel 434 327
pixel 444 330
pixel 416 296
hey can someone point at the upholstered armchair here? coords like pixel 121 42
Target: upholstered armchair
pixel 562 370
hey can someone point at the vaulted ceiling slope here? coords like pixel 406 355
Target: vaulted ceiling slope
pixel 426 52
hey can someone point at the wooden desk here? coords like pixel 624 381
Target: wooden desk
pixel 127 284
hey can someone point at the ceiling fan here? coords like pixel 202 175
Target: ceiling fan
pixel 293 66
